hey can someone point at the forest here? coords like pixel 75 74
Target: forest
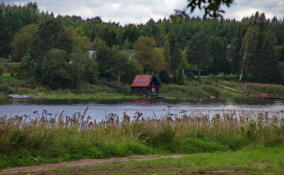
pixel 54 50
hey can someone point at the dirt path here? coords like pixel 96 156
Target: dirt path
pixel 83 162
pixel 233 89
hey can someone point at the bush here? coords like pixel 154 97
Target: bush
pixel 1 70
pixel 6 89
pixel 164 76
pixel 197 142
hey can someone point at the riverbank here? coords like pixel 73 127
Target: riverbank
pixel 48 139
pixel 207 88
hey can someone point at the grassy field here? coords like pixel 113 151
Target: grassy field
pixel 250 160
pixel 45 139
pixel 84 96
pixel 220 87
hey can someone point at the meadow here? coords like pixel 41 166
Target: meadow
pixel 45 139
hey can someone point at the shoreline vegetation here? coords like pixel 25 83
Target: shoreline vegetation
pixel 45 139
pixel 209 87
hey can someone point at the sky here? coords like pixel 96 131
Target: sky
pixel 140 11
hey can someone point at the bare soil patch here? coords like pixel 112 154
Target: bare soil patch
pixel 82 163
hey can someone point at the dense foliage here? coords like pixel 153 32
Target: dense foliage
pixel 252 47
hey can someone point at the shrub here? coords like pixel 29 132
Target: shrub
pixel 1 70
pixel 164 76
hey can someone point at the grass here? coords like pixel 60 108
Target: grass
pixel 250 160
pixel 83 96
pixel 45 139
pixel 221 87
pixel 8 79
pixel 205 88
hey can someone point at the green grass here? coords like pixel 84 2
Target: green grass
pixel 83 96
pixel 250 160
pixel 29 141
pixel 209 86
pixel 205 88
pixel 8 79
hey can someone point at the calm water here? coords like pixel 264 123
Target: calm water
pixel 100 109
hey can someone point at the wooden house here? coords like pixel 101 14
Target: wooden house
pixel 145 85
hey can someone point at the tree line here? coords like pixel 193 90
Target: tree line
pixel 53 50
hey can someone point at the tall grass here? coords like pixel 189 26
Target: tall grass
pixel 25 141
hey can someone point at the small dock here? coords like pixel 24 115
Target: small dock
pixel 17 96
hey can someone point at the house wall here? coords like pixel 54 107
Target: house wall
pixel 145 90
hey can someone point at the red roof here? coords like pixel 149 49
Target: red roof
pixel 142 81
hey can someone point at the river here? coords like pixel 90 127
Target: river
pixel 99 109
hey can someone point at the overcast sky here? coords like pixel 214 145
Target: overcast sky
pixel 140 11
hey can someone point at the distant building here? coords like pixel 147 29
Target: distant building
pixel 92 54
pixel 130 52
pixel 146 85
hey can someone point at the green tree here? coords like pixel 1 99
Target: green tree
pixel 22 39
pixel 259 59
pixel 130 69
pixel 27 67
pixel 180 77
pixel 5 35
pixel 50 34
pixel 279 50
pixel 174 52
pixel 149 56
pixel 114 64
pixel 198 52
pixel 249 50
pixel 218 52
pixel 164 76
pixel 82 68
pixel 56 70
pixel 267 65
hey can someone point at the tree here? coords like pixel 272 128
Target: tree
pixel 279 50
pixel 82 68
pixel 50 34
pixel 164 76
pixel 267 66
pixel 114 64
pixel 151 58
pixel 130 69
pixel 234 52
pixel 27 67
pixel 249 50
pixel 179 79
pixel 198 52
pixel 80 43
pixel 22 39
pixel 211 8
pixel 174 52
pixel 158 62
pixel 5 35
pixel 55 70
pixel 259 59
pixel 218 52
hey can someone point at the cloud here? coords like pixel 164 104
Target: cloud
pixel 140 11
pixel 243 8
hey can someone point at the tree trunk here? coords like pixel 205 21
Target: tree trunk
pixel 198 73
pixel 243 65
pixel 118 79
